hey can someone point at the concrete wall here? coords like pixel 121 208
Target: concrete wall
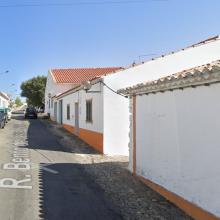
pixel 116 111
pixel 177 143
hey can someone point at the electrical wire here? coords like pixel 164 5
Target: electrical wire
pixel 114 90
pixel 110 2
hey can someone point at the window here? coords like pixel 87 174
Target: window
pixel 89 110
pixel 51 103
pixel 68 112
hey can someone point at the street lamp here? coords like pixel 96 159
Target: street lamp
pixel 7 71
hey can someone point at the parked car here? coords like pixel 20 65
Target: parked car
pixel 9 113
pixel 5 112
pixel 2 120
pixel 18 111
pixel 30 112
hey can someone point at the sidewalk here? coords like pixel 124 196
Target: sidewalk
pixel 133 199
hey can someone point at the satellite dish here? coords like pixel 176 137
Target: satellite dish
pixel 86 85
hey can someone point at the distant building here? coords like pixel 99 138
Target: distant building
pixel 61 80
pixel 4 100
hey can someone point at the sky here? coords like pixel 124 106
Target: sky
pixel 37 35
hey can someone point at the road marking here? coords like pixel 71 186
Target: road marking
pixel 48 169
pixel 11 183
pixel 15 166
pixel 20 155
pixel 20 161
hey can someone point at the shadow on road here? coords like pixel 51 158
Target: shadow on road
pixel 41 137
pixel 96 191
pixel 72 194
pixel 66 190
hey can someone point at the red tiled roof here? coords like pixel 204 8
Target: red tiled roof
pixel 79 75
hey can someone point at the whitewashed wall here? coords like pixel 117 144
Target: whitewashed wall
pixel 116 111
pixel 178 143
pixel 97 108
pixel 54 89
pixel 4 103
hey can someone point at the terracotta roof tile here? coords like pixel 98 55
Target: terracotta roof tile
pixel 78 75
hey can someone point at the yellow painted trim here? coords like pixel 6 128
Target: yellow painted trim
pixel 92 138
pixel 191 209
pixel 68 128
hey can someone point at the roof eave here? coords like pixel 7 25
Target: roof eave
pixel 186 79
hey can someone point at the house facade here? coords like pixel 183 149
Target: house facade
pixel 174 138
pixel 79 112
pixel 62 80
pixel 4 100
pixel 116 108
pixel 82 113
pixel 110 125
pixel 56 84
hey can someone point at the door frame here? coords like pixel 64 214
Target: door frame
pixel 76 118
pixel 55 111
pixel 60 111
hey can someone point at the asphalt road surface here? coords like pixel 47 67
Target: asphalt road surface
pixel 39 180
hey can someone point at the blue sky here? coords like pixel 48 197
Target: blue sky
pixel 35 39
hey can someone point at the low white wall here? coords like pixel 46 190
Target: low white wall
pixel 116 112
pixel 178 143
pixel 97 108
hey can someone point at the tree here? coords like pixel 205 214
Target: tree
pixel 34 89
pixel 18 102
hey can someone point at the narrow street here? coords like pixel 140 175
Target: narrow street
pixel 55 182
pixel 54 187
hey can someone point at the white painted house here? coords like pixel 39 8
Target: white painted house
pixel 57 82
pixel 83 113
pixel 116 108
pixel 68 106
pixel 109 130
pixel 61 80
pixel 4 100
pixel 174 138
